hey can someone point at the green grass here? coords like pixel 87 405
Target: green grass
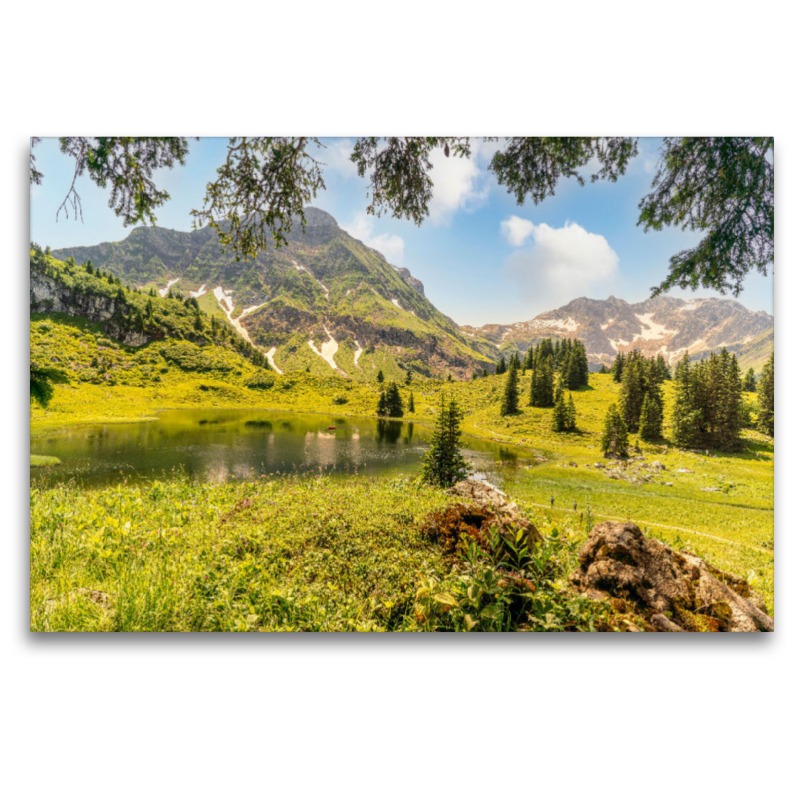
pixel 311 554
pixel 733 526
pixel 44 461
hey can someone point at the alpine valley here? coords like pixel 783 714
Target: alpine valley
pixel 327 302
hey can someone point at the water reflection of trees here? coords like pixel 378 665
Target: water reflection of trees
pixel 389 431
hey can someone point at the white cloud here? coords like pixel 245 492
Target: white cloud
pixel 517 230
pixel 391 245
pixel 458 183
pixel 563 263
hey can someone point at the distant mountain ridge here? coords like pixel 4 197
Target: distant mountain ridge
pixel 324 302
pixel 328 302
pixel 668 325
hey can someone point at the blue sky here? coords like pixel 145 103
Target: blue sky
pixel 481 257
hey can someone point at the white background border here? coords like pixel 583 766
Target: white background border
pixel 424 716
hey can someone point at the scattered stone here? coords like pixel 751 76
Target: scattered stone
pixel 666 483
pixel 684 470
pixel 709 489
pixel 599 465
pixel 657 465
pixel 621 562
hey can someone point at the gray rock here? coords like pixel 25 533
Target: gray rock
pixel 620 561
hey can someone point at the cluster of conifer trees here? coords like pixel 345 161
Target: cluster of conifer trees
pixel 708 402
pixel 390 404
pixel 553 367
pixel 641 401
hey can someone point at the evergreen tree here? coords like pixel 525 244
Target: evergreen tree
pixel 501 366
pixel 614 442
pixel 393 402
pixel 510 404
pixel 572 415
pixel 604 370
pixel 559 412
pixel 528 363
pixel 663 368
pixel 749 382
pixel 379 377
pixel 541 395
pixel 408 377
pixel 650 420
pixel 619 366
pixel 766 398
pixel 686 413
pixel 382 411
pixel 411 403
pixel 485 373
pixel 443 465
pixel 631 396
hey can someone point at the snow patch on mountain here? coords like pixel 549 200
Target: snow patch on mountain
pixel 328 351
pixel 170 284
pixel 271 358
pixel 652 330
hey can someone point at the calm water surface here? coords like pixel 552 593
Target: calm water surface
pixel 218 445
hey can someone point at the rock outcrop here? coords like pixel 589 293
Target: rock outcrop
pixel 487 508
pixel 672 591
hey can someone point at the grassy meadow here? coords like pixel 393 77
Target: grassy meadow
pixel 318 553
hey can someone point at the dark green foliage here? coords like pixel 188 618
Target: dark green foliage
pixel 408 377
pixel 443 465
pixel 42 380
pixel 651 418
pixel 614 442
pixel 510 404
pixel 708 402
pixel 127 164
pixel 154 317
pixel 411 408
pixel 264 183
pixel 564 414
pixel 766 398
pixel 541 394
pixel 390 403
pixel 263 381
pixel 604 370
pixel 394 402
pixel 663 368
pixel 572 415
pixel 723 186
pixel 631 396
pixel 379 376
pixel 749 382
pixel 618 367
pixel 501 366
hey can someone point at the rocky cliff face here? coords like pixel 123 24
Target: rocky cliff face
pixel 413 282
pixel 49 295
pixel 667 325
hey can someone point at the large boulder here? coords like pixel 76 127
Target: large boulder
pixel 672 591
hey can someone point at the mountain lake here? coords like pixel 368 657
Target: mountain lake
pixel 224 444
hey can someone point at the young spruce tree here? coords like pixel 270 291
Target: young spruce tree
pixel 614 442
pixel 510 404
pixel 443 465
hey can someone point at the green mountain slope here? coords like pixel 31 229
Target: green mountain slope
pixel 325 303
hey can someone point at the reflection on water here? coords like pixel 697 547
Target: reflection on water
pixel 221 445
